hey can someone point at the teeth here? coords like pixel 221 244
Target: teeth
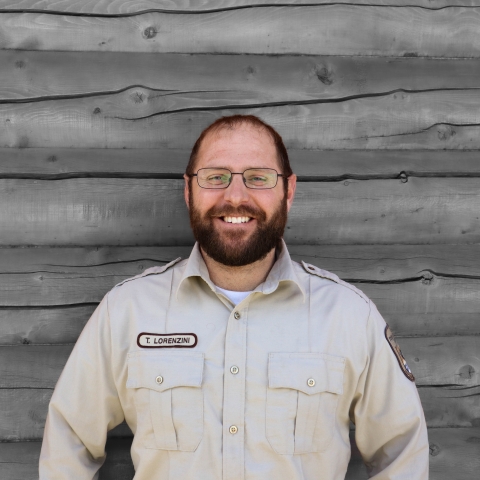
pixel 236 219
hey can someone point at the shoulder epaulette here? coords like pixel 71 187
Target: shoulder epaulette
pixel 151 271
pixel 312 269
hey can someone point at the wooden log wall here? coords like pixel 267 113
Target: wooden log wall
pixel 379 105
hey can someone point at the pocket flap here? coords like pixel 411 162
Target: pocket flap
pixel 309 373
pixel 147 369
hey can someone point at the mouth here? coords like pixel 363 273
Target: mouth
pixel 231 219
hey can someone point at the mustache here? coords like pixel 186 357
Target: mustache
pixel 242 211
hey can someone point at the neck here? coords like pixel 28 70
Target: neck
pixel 239 279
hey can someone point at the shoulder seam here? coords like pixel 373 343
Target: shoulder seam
pixel 150 271
pixel 313 270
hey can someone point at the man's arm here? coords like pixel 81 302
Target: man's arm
pixel 391 433
pixel 84 406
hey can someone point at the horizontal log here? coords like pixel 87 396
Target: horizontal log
pixel 421 290
pixel 438 361
pixel 19 461
pixel 24 411
pixel 454 453
pixel 434 307
pixel 399 120
pixel 207 80
pixel 360 263
pixel 124 7
pixel 308 165
pixel 153 212
pixel 404 31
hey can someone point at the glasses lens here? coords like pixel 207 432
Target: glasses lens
pixel 260 177
pixel 214 177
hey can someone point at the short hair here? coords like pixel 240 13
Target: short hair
pixel 229 123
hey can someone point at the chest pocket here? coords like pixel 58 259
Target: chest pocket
pixel 168 398
pixel 302 397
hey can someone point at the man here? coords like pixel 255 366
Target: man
pixel 237 363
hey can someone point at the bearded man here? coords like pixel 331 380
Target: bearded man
pixel 237 363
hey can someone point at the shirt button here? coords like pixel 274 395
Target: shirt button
pixel 311 382
pixel 236 315
pixel 159 379
pixel 234 369
pixel 233 429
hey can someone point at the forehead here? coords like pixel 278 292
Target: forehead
pixel 241 147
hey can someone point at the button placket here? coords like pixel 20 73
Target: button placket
pixel 234 396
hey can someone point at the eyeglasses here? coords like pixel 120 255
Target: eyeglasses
pixel 256 178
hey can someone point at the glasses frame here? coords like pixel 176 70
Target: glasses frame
pixel 238 173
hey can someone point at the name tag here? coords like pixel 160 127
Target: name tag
pixel 166 340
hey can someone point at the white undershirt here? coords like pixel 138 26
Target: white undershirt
pixel 234 297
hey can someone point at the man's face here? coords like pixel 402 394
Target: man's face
pixel 217 216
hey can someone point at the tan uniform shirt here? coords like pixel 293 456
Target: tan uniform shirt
pixel 264 390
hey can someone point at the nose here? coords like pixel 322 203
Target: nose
pixel 236 193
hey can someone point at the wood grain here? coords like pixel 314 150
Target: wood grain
pixel 405 31
pixel 152 212
pixel 454 453
pixel 24 411
pixel 439 361
pixel 401 120
pixel 361 263
pixel 236 79
pixel 19 461
pixel 323 165
pixel 420 289
pixel 414 309
pixel 119 7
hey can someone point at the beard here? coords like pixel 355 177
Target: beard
pixel 241 248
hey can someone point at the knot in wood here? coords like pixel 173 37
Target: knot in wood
pixel 434 449
pixel 324 74
pixel 466 372
pixel 427 278
pixel 445 132
pixel 150 32
pixel 97 111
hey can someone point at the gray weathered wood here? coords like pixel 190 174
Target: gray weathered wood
pixel 24 412
pixel 325 165
pixel 435 361
pixel 454 453
pixel 19 461
pixel 370 263
pixel 238 79
pixel 152 212
pixel 119 7
pixel 401 120
pixel 407 31
pixel 23 416
pixel 436 307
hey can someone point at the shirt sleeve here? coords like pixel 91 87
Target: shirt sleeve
pixel 391 433
pixel 84 406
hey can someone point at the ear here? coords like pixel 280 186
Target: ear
pixel 292 186
pixel 186 190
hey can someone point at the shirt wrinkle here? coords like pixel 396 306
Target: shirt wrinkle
pixel 260 391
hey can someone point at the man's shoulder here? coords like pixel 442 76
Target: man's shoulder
pixel 149 272
pixel 331 277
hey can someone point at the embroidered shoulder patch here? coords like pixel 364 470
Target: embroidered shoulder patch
pixel 398 353
pixel 167 340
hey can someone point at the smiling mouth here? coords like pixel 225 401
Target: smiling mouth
pixel 236 219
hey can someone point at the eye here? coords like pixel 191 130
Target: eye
pixel 256 178
pixel 217 179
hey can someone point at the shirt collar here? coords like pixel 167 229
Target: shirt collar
pixel 282 271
